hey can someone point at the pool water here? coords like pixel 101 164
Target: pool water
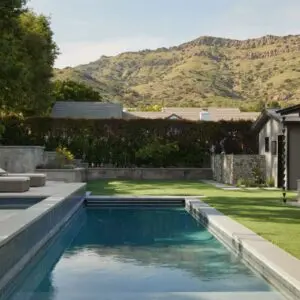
pixel 138 254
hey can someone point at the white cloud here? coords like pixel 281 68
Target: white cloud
pixel 75 53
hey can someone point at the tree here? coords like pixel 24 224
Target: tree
pixel 260 105
pixel 39 55
pixel 274 104
pixel 11 66
pixel 73 91
pixel 27 54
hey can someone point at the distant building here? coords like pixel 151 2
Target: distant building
pixel 86 110
pixel 194 114
pixel 101 110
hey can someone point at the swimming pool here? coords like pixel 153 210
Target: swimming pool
pixel 138 254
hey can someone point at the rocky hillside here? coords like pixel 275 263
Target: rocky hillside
pixel 206 71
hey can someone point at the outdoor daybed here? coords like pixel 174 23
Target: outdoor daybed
pixel 36 179
pixel 14 184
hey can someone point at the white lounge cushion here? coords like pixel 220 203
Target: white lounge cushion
pixel 2 172
pixel 36 179
pixel 14 179
pixel 14 184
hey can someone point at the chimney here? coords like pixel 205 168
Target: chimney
pixel 204 116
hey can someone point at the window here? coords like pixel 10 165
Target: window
pixel 274 148
pixel 267 144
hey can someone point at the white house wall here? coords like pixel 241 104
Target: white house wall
pixel 294 155
pixel 272 129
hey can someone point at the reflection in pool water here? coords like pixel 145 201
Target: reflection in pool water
pixel 139 254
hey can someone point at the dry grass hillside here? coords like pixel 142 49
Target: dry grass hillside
pixel 208 71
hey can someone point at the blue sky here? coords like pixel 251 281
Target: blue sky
pixel 85 30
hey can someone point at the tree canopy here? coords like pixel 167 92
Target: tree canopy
pixel 27 55
pixel 74 91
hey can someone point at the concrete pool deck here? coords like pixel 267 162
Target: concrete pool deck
pixel 51 188
pixel 277 266
pixel 24 232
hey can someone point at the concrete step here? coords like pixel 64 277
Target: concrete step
pixel 114 201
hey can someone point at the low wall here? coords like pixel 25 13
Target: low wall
pixel 21 159
pixel 65 175
pixel 149 173
pixel 49 157
pixel 230 168
pixel 23 235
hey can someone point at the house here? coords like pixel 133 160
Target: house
pixel 101 110
pixel 194 114
pixel 279 142
pixel 86 110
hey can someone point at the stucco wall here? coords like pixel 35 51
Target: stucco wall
pixel 20 159
pixel 294 155
pixel 49 157
pixel 272 129
pixel 230 168
pixel 65 175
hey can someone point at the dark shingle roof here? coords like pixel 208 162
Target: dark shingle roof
pixel 276 114
pixel 86 110
pixel 289 110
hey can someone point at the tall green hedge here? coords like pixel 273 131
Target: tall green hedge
pixel 127 143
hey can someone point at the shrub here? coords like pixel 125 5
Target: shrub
pixel 270 182
pixel 156 154
pixel 258 176
pixel 63 156
pixel 117 142
pixel 2 129
pixel 241 182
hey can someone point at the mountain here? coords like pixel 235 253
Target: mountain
pixel 204 72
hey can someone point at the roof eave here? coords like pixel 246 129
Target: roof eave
pixel 289 110
pixel 263 118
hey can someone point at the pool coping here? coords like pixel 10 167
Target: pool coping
pixel 278 267
pixel 18 224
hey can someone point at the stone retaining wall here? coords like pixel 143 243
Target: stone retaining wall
pixel 149 173
pixel 230 168
pixel 21 159
pixel 65 175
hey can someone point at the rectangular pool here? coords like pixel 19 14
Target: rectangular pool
pixel 138 254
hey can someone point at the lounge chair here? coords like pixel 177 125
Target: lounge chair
pixel 36 179
pixel 14 184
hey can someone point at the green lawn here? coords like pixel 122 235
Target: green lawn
pixel 261 211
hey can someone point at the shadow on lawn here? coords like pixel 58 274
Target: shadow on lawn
pixel 237 205
pixel 259 210
pixel 111 187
